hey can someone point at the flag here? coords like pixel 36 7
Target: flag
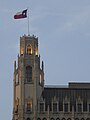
pixel 22 14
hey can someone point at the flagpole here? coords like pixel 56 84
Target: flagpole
pixel 28 22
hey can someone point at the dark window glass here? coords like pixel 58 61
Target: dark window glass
pixel 84 106
pixel 28 74
pixel 79 107
pixel 69 119
pixel 60 106
pixel 88 119
pixel 52 119
pixel 76 118
pixel 44 119
pixel 55 107
pixel 63 119
pixel 57 118
pixel 38 119
pixel 75 106
pixel 66 107
pixel 41 107
pixel 28 119
pixel 82 119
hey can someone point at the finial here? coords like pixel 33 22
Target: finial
pixel 42 66
pixel 14 66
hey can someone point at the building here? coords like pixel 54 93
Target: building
pixel 32 100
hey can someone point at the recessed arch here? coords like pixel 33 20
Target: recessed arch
pixel 63 119
pixel 28 119
pixel 82 119
pixel 44 119
pixel 38 118
pixel 58 118
pixel 69 119
pixel 52 118
pixel 76 118
pixel 88 119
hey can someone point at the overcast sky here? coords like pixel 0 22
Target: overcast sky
pixel 63 30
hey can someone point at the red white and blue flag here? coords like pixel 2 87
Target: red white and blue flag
pixel 22 14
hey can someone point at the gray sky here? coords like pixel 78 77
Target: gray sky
pixel 63 29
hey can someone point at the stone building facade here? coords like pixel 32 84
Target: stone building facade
pixel 32 100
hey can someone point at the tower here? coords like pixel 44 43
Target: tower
pixel 28 80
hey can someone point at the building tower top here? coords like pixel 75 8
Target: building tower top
pixel 28 45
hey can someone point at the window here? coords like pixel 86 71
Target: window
pixel 38 119
pixel 41 107
pixel 69 119
pixel 76 118
pixel 36 51
pixel 52 119
pixel 28 119
pixel 82 119
pixel 44 119
pixel 29 50
pixel 57 118
pixel 84 106
pixel 88 119
pixel 54 107
pixel 29 107
pixel 29 73
pixel 66 107
pixel 63 119
pixel 60 106
pixel 79 107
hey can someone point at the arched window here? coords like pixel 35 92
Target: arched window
pixel 57 118
pixel 69 119
pixel 38 119
pixel 63 119
pixel 28 119
pixel 76 118
pixel 28 73
pixel 82 119
pixel 36 51
pixel 29 50
pixel 44 119
pixel 52 119
pixel 88 119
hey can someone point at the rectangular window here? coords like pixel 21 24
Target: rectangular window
pixel 54 107
pixel 28 73
pixel 79 107
pixel 60 106
pixel 84 106
pixel 66 107
pixel 41 107
pixel 29 106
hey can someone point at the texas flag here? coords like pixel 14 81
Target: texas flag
pixel 22 14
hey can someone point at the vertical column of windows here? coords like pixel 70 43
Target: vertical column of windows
pixel 41 107
pixel 28 73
